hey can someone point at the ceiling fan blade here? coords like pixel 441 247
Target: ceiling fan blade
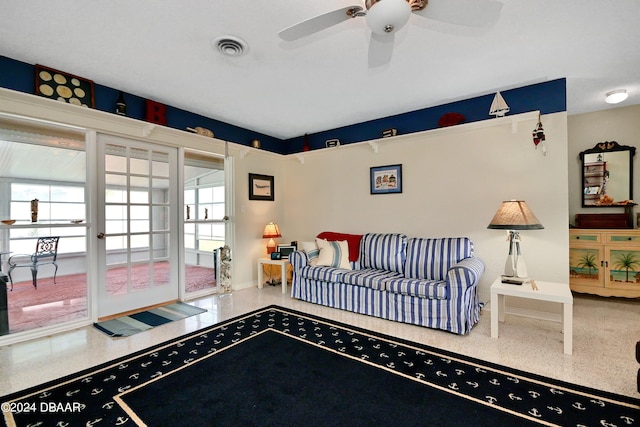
pixel 380 49
pixel 318 23
pixel 473 13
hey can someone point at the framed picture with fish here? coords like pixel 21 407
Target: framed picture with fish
pixel 261 187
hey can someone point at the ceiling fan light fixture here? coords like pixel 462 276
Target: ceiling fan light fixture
pixel 387 16
pixel 616 96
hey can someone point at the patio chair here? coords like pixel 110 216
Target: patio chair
pixel 46 253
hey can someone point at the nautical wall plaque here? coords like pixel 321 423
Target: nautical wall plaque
pixel 64 87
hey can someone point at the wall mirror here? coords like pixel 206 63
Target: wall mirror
pixel 607 175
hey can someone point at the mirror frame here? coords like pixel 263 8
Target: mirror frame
pixel 607 147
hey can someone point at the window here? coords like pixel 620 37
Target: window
pixel 57 204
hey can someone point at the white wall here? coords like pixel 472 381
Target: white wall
pixel 585 131
pixel 250 216
pixel 453 182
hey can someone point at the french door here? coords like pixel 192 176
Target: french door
pixel 137 228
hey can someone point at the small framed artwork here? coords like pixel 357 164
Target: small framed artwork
pixel 261 187
pixel 285 250
pixel 386 179
pixel 64 87
pixel 276 256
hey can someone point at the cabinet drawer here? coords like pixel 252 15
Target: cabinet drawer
pixel 585 237
pixel 622 238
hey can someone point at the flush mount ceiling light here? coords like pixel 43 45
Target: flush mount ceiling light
pixel 230 45
pixel 616 96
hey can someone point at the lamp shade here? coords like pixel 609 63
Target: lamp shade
pixel 515 215
pixel 271 231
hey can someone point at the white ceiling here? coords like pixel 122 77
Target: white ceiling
pixel 161 50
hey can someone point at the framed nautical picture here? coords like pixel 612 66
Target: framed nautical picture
pixel 64 87
pixel 386 179
pixel 261 187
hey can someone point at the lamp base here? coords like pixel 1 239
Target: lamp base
pixel 271 246
pixel 515 266
pixel 513 280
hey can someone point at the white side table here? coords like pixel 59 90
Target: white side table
pixel 547 291
pixel 283 263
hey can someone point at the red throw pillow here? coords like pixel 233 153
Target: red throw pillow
pixel 353 240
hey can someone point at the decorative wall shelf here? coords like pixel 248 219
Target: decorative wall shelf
pixel 512 121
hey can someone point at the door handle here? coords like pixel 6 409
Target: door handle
pixel 101 236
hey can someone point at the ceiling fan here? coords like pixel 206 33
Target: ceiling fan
pixel 386 17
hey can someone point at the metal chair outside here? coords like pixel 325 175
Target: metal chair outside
pixel 46 253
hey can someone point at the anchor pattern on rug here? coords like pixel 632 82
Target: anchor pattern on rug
pixel 94 391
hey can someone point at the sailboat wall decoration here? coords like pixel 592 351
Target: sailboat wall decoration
pixel 499 106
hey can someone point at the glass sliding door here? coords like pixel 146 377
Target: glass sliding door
pixel 42 187
pixel 137 232
pixel 204 220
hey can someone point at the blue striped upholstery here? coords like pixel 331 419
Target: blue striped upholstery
pixel 436 289
pixel 298 259
pixel 370 278
pixel 318 272
pixel 383 252
pixel 454 316
pixel 432 258
pixel 450 302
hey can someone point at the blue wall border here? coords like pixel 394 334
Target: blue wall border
pixel 548 97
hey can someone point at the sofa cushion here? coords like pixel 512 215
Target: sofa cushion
pixel 333 254
pixel 312 251
pixel 432 289
pixel 383 252
pixel 374 279
pixel 322 273
pixel 353 241
pixel 431 258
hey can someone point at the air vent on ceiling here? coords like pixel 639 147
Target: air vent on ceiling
pixel 230 45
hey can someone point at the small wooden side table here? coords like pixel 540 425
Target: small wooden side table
pixel 545 291
pixel 283 263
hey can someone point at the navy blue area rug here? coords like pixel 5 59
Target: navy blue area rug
pixel 132 324
pixel 276 366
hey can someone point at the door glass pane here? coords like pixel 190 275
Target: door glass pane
pixel 160 218
pixel 115 162
pixel 139 196
pixel 160 164
pixel 137 200
pixel 139 162
pixel 161 275
pixel 48 165
pixel 204 230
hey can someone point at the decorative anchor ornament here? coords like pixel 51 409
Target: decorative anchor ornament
pixel 538 136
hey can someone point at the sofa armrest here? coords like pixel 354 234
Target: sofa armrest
pixel 466 273
pixel 298 259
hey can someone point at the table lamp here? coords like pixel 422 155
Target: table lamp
pixel 271 231
pixel 515 215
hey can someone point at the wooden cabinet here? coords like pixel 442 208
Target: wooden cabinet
pixel 605 262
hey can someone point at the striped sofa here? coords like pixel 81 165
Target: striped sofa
pixel 426 282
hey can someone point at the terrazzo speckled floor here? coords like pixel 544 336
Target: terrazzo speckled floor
pixel 604 337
